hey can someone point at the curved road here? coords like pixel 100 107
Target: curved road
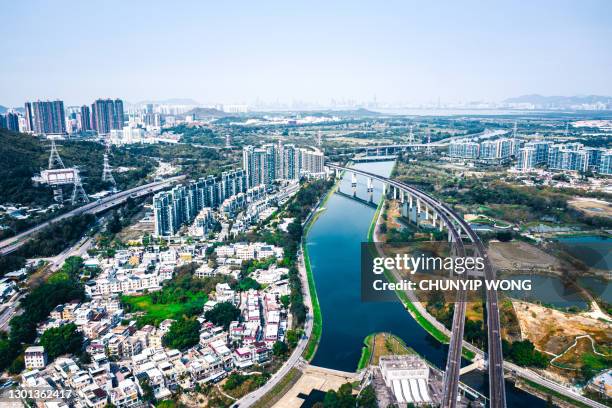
pixel 495 358
pixel 450 219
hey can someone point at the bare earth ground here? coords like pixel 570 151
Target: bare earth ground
pixel 520 255
pixel 554 331
pixel 312 379
pixel 592 206
pixel 386 344
pixel 137 230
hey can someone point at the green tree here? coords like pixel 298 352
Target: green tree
pixel 147 391
pixel 293 337
pixel 367 398
pixel 248 283
pixel 280 348
pixel 343 398
pixel 61 340
pixel 223 314
pixel 285 300
pixel 183 334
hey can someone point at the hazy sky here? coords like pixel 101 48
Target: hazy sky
pixel 234 51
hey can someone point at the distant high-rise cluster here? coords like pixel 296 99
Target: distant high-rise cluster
pixel 10 121
pixel 268 163
pixel 495 151
pixel 107 115
pixel 49 117
pixel 568 156
pixel 176 207
pixel 45 117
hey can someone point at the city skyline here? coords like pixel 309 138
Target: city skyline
pixel 214 53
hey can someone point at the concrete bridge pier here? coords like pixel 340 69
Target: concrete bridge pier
pixel 370 184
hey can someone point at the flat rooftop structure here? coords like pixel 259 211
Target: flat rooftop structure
pixel 58 176
pixel 406 363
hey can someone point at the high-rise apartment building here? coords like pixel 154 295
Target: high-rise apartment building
pixel 464 150
pixel 45 117
pixel 265 164
pixel 173 209
pixel 526 158
pixel 569 156
pixel 541 150
pixel 605 163
pixel 496 150
pixel 107 115
pixel 85 118
pixel 9 121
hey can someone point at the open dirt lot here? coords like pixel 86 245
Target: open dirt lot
pixel 554 331
pixel 312 379
pixel 520 255
pixel 592 206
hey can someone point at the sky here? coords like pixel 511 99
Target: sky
pixel 243 52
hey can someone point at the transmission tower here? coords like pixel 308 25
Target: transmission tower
pixel 55 161
pixel 411 135
pixel 566 129
pixel 78 192
pixel 319 139
pixel 107 174
pixel 514 130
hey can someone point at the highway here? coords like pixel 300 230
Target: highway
pixel 13 243
pixel 453 366
pixel 496 365
pixel 440 143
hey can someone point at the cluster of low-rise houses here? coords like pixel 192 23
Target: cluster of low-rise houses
pixel 123 355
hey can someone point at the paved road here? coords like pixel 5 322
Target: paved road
pixel 296 356
pixel 295 360
pixel 495 357
pixel 440 143
pixel 56 262
pixel 13 243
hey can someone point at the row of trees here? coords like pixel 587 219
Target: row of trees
pixel 24 155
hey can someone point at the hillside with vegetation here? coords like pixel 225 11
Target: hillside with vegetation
pixel 23 156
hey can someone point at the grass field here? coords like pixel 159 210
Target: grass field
pixel 159 311
pixel 366 352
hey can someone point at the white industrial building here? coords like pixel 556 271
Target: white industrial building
pixel 407 376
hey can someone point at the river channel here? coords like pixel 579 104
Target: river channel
pixel 333 244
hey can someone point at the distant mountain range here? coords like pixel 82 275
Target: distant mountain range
pixel 560 101
pixel 3 109
pixel 203 113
